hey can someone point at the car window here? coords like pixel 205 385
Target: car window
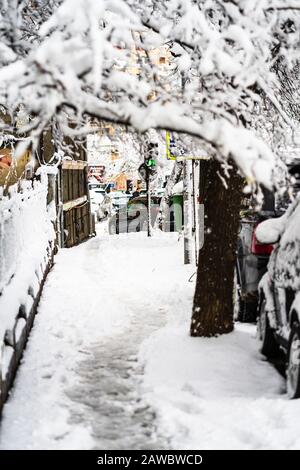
pixel 143 200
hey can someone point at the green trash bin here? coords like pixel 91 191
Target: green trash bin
pixel 177 202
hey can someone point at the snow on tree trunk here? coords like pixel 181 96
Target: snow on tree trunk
pixel 213 300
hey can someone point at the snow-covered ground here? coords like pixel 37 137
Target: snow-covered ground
pixel 217 393
pixel 110 364
pixel 78 384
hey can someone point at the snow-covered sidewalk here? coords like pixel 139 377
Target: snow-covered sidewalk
pixel 78 386
pixel 110 364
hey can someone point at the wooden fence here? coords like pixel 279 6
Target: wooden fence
pixel 79 223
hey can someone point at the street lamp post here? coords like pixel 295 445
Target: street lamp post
pixel 148 172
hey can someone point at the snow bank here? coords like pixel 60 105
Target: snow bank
pixel 217 393
pixel 26 232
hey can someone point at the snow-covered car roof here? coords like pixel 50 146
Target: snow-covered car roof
pixel 284 264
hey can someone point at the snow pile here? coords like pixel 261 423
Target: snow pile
pixel 217 393
pixel 26 231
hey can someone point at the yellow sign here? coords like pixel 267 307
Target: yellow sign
pixel 169 145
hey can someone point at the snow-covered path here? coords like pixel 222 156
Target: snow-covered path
pixel 79 384
pixel 110 363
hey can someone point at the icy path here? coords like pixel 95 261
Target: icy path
pixel 79 384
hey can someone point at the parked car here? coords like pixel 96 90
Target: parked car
pixel 252 259
pixel 109 204
pixel 279 293
pixel 97 196
pixel 119 199
pixel 134 217
pixel 159 191
pixel 100 186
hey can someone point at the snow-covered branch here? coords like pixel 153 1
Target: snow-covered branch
pixel 193 67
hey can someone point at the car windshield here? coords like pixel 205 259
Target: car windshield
pixel 139 206
pixel 118 195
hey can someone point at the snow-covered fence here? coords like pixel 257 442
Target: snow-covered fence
pixel 26 245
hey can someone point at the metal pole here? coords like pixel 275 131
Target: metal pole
pixel 148 206
pixel 187 210
pixel 195 209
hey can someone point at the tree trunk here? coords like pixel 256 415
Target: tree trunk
pixel 213 300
